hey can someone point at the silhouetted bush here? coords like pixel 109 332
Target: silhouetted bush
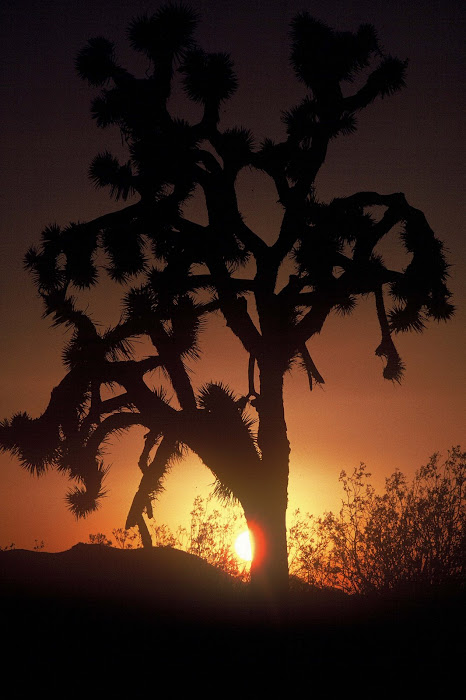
pixel 410 537
pixel 211 536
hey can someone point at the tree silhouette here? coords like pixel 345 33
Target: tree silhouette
pixel 187 271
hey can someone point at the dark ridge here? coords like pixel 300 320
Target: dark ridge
pixel 120 618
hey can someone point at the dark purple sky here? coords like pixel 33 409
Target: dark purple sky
pixel 412 142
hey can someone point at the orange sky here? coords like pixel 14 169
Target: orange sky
pixel 411 142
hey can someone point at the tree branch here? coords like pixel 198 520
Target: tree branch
pixel 311 369
pixel 115 422
pixel 313 321
pixel 119 371
pixel 151 480
pixel 234 308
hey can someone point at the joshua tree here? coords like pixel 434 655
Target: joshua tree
pixel 187 271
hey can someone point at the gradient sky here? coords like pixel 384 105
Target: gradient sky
pixel 412 142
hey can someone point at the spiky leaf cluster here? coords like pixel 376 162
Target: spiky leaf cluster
pixel 164 35
pixel 34 441
pixel 186 324
pixel 208 77
pixel 124 247
pixel 421 292
pixel 223 405
pixel 322 57
pixel 96 62
pixel 83 500
pixel 106 171
pixel 394 367
pixel 231 451
pixel 235 146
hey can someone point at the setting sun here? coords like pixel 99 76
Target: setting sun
pixel 243 546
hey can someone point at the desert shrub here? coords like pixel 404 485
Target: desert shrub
pixel 162 536
pixel 412 535
pixel 308 550
pixel 100 538
pixel 212 535
pixel 126 539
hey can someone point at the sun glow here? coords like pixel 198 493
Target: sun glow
pixel 243 546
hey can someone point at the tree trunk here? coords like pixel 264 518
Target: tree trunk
pixel 146 539
pixel 266 509
pixel 262 489
pixel 269 568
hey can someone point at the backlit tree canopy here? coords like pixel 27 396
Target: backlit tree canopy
pixel 176 272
